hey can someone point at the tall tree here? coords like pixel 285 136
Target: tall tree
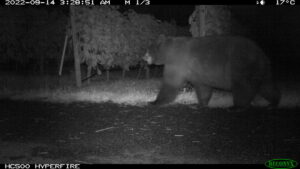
pixel 75 47
pixel 210 20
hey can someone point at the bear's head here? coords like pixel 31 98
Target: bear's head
pixel 155 53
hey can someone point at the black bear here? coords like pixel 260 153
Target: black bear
pixel 230 63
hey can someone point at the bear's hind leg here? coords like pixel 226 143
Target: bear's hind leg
pixel 271 93
pixel 166 94
pixel 203 94
pixel 243 94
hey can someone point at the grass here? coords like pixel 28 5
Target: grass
pixel 129 91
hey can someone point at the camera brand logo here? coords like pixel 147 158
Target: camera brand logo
pixel 281 164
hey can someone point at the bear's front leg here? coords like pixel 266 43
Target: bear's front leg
pixel 166 94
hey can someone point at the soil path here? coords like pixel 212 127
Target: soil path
pixel 43 132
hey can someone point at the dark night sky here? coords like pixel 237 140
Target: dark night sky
pixel 180 13
pixel 276 29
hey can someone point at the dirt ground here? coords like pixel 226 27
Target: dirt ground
pixel 82 132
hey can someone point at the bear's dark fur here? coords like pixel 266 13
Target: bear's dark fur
pixel 230 63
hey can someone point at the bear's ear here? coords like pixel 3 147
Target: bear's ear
pixel 161 39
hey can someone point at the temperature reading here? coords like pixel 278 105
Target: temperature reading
pixel 288 2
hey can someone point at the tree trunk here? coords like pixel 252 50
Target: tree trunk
pixel 157 71
pixel 88 74
pixel 202 26
pixel 16 66
pixel 61 63
pixel 197 21
pixel 139 72
pixel 75 48
pixel 107 74
pixel 123 73
pixel 42 64
pixel 147 72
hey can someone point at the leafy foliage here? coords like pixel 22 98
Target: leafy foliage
pixel 111 38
